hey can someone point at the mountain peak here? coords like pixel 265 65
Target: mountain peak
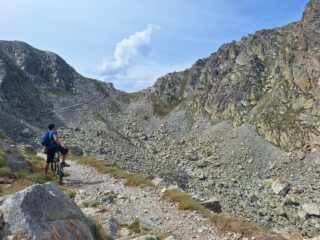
pixel 311 15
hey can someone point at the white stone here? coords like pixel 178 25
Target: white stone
pixel 171 238
pixel 158 182
pixel 311 209
pixel 280 188
pixel 146 237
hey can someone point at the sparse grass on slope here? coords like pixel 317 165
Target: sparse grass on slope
pixel 222 222
pixel 116 172
pixel 20 178
pixel 17 186
pixel 20 181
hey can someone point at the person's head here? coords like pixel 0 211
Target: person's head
pixel 52 126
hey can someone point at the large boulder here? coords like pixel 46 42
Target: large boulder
pixel 41 212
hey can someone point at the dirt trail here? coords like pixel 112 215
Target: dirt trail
pixel 95 192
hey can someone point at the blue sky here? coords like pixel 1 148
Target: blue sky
pixel 132 42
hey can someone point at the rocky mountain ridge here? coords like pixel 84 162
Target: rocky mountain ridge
pixel 232 126
pixel 269 79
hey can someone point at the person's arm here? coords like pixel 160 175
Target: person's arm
pixel 56 139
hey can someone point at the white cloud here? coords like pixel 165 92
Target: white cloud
pixel 128 48
pixel 126 70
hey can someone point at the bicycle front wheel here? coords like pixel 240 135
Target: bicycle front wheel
pixel 60 174
pixel 53 166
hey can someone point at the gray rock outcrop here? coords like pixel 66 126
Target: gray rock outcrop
pixel 43 212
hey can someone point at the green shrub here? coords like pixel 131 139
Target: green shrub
pixel 99 233
pixel 135 226
pixel 70 192
pixel 59 92
pixel 3 161
pixel 6 172
pixel 38 177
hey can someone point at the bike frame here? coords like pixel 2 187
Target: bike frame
pixel 57 168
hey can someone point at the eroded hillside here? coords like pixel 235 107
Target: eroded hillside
pixel 236 125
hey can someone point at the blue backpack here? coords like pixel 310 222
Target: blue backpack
pixel 45 139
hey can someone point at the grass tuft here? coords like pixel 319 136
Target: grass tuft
pixel 135 226
pixel 6 171
pixel 3 161
pixel 99 233
pixel 58 92
pixel 185 202
pixel 69 192
pixel 38 177
pixel 136 180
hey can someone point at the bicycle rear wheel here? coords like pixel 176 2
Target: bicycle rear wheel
pixel 60 179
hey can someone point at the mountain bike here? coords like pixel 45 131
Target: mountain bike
pixel 56 167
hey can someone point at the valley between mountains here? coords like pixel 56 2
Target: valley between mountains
pixel 240 127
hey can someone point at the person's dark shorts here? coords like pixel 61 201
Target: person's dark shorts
pixel 52 151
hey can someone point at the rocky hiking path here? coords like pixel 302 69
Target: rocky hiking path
pixel 115 206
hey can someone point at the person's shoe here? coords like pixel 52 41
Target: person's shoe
pixel 64 164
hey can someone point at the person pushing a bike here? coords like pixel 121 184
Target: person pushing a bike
pixel 54 146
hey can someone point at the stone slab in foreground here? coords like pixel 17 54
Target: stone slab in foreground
pixel 42 212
